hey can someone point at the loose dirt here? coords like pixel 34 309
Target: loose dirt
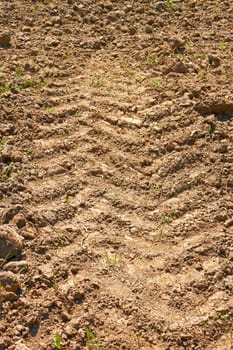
pixel 116 175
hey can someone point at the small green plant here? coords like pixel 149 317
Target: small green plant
pixel 138 78
pixel 2 143
pixel 67 198
pixel 229 74
pixel 49 109
pixel 19 72
pixel 7 171
pixel 169 5
pixel 69 55
pixel 223 46
pixel 25 306
pixel 74 284
pixel 150 59
pixel 128 84
pixel 25 268
pixel 3 101
pixel 53 282
pixel 4 87
pixel 161 233
pixel 60 241
pixel 189 43
pixel 4 260
pixel 77 114
pixel 113 259
pixel 110 87
pixel 92 340
pixel 96 82
pixel 155 83
pixel 57 341
pixel 166 219
pixel 29 83
pixel 155 189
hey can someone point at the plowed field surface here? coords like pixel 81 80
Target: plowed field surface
pixel 116 175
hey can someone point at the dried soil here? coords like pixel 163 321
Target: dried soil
pixel 116 175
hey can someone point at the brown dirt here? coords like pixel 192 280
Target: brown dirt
pixel 116 172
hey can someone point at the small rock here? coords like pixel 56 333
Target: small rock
pixel 56 20
pixel 131 121
pixel 210 119
pixel 177 43
pixel 174 327
pixel 19 220
pixel 70 331
pixel 65 316
pixel 28 21
pixel 5 39
pixel 76 323
pixel 213 180
pixel 160 6
pixel 26 29
pixel 214 61
pixel 148 29
pixel 9 281
pixel 10 242
pixel 30 66
pixel 50 41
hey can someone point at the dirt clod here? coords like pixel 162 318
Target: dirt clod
pixel 10 242
pixel 9 281
pixel 21 346
pixel 5 39
pixel 214 60
pixel 178 67
pixel 9 213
